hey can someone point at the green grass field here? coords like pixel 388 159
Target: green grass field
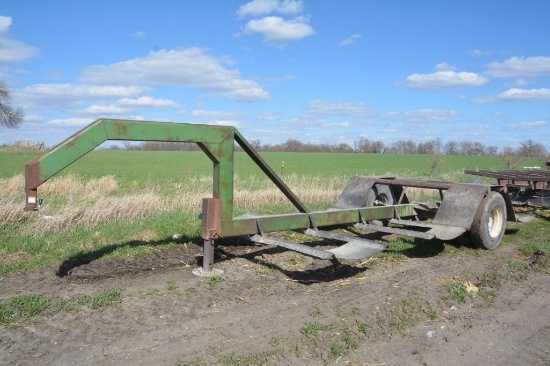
pixel 110 199
pixel 143 166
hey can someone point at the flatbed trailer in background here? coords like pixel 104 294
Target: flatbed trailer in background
pixel 527 187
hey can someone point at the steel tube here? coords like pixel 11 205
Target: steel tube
pixel 208 256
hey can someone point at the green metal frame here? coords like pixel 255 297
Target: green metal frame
pixel 218 144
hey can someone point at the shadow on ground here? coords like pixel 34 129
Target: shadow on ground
pixel 82 259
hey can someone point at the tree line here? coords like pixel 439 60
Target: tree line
pixel 527 148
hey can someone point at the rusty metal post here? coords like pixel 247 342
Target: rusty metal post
pixel 208 256
pixel 211 229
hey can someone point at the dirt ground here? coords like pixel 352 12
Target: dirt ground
pixel 277 307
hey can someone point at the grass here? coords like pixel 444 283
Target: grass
pixel 145 167
pixel 23 308
pixel 259 358
pixel 212 281
pixel 311 328
pixel 457 293
pixel 126 203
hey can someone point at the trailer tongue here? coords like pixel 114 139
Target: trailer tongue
pixel 367 203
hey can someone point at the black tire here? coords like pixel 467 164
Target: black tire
pixel 489 222
pixel 380 195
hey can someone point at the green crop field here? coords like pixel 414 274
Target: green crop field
pixel 109 199
pixel 158 166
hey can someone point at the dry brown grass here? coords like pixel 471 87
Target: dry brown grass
pixel 12 213
pixel 73 186
pixel 11 188
pixel 106 209
pixel 97 201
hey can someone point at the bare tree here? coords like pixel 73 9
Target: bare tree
pixel 510 158
pixel 451 148
pixel 9 117
pixel 530 148
pixel 436 162
pixel 491 150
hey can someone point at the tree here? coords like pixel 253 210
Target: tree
pixel 530 148
pixel 9 117
pixel 491 150
pixel 451 148
pixel 510 158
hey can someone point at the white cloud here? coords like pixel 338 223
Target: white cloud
pixel 349 40
pixel 527 125
pixel 267 116
pixel 444 80
pixel 201 113
pixel 520 67
pixel 339 108
pixel 72 122
pixel 516 95
pixel 263 7
pixel 225 123
pixel 535 124
pixel 444 66
pixel 139 34
pixel 148 102
pixel 65 95
pixel 128 105
pixel 105 109
pixel 190 67
pixel 430 115
pixel 336 124
pixel 478 53
pixel 422 115
pixel 12 50
pixel 278 31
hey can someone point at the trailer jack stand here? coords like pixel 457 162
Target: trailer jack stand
pixel 207 270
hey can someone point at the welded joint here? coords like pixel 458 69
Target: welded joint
pixel 260 226
pixel 312 223
pixel 361 217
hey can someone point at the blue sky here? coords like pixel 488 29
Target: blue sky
pixel 316 71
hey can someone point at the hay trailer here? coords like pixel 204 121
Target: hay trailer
pixel 370 203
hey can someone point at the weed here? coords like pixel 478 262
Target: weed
pixel 275 341
pixel 432 314
pixel 309 328
pixel 356 311
pixel 349 342
pixel 212 281
pixel 487 294
pixel 317 312
pixel 23 307
pixel 517 265
pixel 260 358
pixel 102 299
pixel 171 286
pixel 263 270
pixel 457 293
pixel 194 362
pixel 337 350
pixel 362 328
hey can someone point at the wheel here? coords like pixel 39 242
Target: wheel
pixel 380 195
pixel 489 222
